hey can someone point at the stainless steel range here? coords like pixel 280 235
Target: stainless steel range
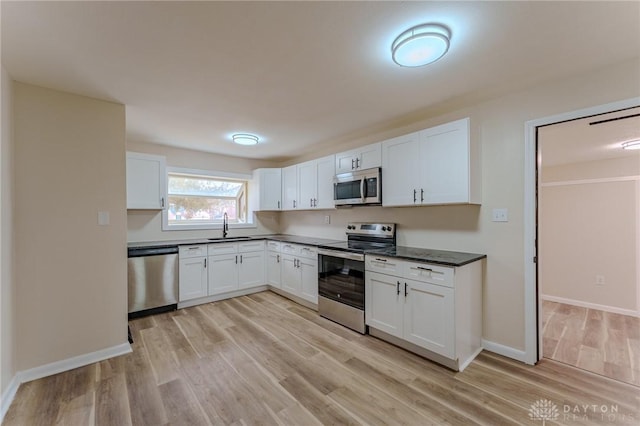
pixel 341 272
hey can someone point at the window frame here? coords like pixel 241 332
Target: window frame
pixel 166 226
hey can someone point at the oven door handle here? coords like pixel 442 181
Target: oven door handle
pixel 342 254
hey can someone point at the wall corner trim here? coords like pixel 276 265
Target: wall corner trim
pixel 8 395
pixel 58 367
pixel 509 352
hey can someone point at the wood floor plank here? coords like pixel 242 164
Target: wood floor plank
pixel 112 402
pixel 262 359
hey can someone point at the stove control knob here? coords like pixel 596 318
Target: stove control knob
pixel 384 228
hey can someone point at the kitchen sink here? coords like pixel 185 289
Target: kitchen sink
pixel 229 239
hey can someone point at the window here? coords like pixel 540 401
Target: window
pixel 203 200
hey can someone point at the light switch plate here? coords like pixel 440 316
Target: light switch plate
pixel 103 218
pixel 500 215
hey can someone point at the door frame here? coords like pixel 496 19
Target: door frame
pixel 532 305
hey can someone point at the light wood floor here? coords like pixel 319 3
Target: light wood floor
pixel 262 359
pixel 601 342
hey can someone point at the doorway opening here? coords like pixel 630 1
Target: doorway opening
pixel 586 237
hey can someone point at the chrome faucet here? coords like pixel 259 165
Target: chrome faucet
pixel 225 225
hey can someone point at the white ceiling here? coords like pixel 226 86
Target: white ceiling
pixel 297 74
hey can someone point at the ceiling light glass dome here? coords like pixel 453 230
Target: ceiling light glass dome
pixel 245 139
pixel 420 45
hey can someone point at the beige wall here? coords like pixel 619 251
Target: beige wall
pixel 71 279
pixel 499 126
pixel 7 364
pixel 147 225
pixel 590 228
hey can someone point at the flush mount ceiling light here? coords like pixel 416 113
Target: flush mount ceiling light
pixel 635 144
pixel 420 45
pixel 245 139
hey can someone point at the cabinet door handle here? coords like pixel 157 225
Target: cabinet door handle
pixel 353 161
pixel 398 288
pixel 405 290
pixel 315 202
pixel 236 259
pixel 162 202
pixel 415 192
pixel 357 163
pixel 278 205
pixel 294 204
pixel 277 258
pixel 421 195
pixel 310 202
pixel 240 258
pixel 205 262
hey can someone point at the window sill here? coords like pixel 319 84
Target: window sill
pixel 203 227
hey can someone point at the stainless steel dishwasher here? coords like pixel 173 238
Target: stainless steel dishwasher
pixel 153 280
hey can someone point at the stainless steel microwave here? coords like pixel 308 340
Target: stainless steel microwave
pixel 358 188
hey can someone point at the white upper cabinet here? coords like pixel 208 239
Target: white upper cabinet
pixel 433 166
pixel 290 188
pixel 400 166
pixel 315 183
pixel 267 188
pixel 146 177
pixel 365 157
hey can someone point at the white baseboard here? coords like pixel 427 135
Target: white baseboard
pixel 589 305
pixel 503 350
pixel 8 395
pixel 218 297
pixel 55 368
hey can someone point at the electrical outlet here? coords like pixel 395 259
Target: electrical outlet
pixel 600 280
pixel 327 219
pixel 500 215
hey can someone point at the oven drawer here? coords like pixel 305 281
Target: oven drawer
pixel 383 265
pixel 429 273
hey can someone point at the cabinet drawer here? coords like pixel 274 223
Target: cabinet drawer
pixel 273 246
pixel 289 248
pixel 192 251
pixel 308 252
pixel 223 248
pixel 383 265
pixel 428 273
pixel 248 246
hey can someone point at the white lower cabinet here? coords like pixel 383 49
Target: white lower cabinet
pixel 219 269
pixel 273 264
pixel 193 272
pixel 433 310
pixel 299 271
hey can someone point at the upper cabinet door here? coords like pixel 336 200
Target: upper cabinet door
pixel 268 185
pixel 444 163
pixel 325 172
pixel 290 188
pixel 365 157
pixel 370 156
pixel 401 170
pixel 146 176
pixel 307 184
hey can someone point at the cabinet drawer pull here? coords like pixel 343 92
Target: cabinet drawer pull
pixel 424 269
pixel 194 248
pixel 380 260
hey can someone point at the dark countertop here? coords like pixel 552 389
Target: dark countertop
pixel 294 239
pixel 439 257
